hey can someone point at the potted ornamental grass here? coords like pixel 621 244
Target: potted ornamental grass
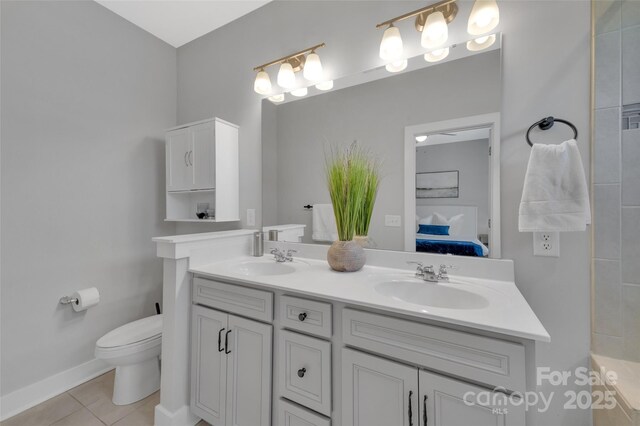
pixel 352 180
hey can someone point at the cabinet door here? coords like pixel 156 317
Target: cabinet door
pixel 179 169
pixel 208 365
pixel 248 372
pixel 449 402
pixel 377 392
pixel 203 156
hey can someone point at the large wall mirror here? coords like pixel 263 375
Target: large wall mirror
pixel 436 129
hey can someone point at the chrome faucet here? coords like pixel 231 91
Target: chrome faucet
pixel 427 273
pixel 281 256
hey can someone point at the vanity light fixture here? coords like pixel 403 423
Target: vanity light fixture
pixel 286 76
pixel 306 60
pixel 277 98
pixel 435 32
pixel 421 138
pixel 484 17
pixel 481 43
pixel 436 55
pixel 391 45
pixel 300 92
pixel 262 85
pixel 312 70
pixel 325 85
pixel 397 66
pixel 431 21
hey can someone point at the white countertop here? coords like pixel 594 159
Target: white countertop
pixel 507 312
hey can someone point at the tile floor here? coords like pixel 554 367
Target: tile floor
pixel 89 405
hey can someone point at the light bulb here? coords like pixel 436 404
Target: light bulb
pixel 312 67
pixel 277 98
pixel 436 55
pixel 286 76
pixel 397 66
pixel 262 85
pixel 481 43
pixel 435 32
pixel 300 92
pixel 421 138
pixel 391 44
pixel 484 17
pixel 325 85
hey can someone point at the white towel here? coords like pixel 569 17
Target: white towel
pixel 324 223
pixel 555 195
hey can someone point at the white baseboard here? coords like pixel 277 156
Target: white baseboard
pixel 29 396
pixel 182 417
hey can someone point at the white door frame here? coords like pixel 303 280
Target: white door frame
pixel 492 121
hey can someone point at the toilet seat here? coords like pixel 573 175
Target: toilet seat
pixel 136 332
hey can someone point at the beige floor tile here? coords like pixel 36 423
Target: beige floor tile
pixel 94 390
pixel 143 415
pixel 81 417
pixel 46 413
pixel 96 396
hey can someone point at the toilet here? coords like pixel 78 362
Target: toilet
pixel 134 349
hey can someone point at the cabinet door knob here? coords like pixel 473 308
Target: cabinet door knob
pixel 302 316
pixel 186 163
pixel 301 372
pixel 190 158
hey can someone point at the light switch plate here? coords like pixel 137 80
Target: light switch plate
pixel 392 220
pixel 546 244
pixel 251 217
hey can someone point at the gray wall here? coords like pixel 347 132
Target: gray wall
pixel 616 183
pixel 471 159
pixel 85 99
pixel 545 72
pixel 375 114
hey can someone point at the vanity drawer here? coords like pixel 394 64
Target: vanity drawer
pixel 494 362
pixel 236 299
pixel 292 415
pixel 305 370
pixel 306 315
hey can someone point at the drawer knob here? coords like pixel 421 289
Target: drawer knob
pixel 301 372
pixel 302 316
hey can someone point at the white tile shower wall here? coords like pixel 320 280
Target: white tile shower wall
pixel 616 287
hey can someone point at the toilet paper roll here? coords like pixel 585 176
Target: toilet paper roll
pixel 85 299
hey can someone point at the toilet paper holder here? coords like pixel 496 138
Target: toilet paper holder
pixel 65 300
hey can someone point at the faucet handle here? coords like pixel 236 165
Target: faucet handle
pixel 445 268
pixel 291 251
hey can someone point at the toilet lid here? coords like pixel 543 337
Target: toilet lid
pixel 133 332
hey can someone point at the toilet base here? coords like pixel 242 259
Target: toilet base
pixel 134 382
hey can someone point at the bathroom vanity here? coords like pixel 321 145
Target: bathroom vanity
pixel 296 343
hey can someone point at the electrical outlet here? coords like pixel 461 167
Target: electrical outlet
pixel 392 220
pixel 546 244
pixel 251 217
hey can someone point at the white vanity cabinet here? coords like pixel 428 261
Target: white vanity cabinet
pixel 343 365
pixel 379 392
pixel 202 167
pixel 230 368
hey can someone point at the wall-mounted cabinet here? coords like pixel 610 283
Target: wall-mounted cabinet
pixel 202 168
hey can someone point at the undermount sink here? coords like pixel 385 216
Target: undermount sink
pixel 251 268
pixel 432 294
